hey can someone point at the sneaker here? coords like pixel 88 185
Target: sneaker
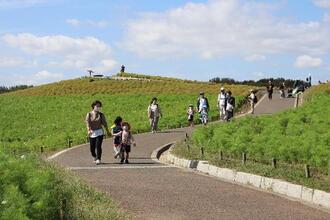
pixel 126 161
pixel 98 162
pixel 122 160
pixel 94 159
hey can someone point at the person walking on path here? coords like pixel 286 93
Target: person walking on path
pixel 116 132
pixel 222 99
pixel 190 113
pixel 253 100
pixel 270 89
pixel 154 113
pixel 94 121
pixel 230 106
pixel 202 102
pixel 282 92
pixel 127 140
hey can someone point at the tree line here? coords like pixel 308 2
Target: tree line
pixel 261 82
pixel 4 89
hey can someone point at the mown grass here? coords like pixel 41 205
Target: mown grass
pixel 294 137
pixel 30 188
pixel 43 119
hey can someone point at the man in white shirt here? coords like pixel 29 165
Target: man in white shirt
pixel 222 99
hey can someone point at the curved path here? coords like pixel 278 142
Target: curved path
pixel 151 190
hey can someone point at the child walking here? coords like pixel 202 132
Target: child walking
pixel 190 113
pixel 116 132
pixel 127 140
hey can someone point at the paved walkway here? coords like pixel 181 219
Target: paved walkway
pixel 151 190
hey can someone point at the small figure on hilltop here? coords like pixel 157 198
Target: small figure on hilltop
pixel 127 140
pixel 253 100
pixel 230 106
pixel 190 113
pixel 282 90
pixel 116 131
pixel 94 121
pixel 154 113
pixel 122 68
pixel 221 103
pixel 270 89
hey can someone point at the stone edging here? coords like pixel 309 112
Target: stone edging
pixel 281 187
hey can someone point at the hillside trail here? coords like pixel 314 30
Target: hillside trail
pixel 148 189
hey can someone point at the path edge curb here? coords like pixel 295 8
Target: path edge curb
pixel 313 197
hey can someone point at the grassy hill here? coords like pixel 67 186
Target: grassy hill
pixel 294 137
pixel 49 115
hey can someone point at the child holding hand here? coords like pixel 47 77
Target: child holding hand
pixel 127 140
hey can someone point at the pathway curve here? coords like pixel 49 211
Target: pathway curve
pixel 151 190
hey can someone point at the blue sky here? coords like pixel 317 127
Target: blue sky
pixel 44 41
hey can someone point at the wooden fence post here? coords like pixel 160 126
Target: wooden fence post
pixel 202 151
pixel 69 143
pixel 221 155
pixel 243 158
pixel 274 163
pixel 307 171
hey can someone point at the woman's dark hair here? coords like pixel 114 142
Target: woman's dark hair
pixel 118 120
pixel 97 102
pixel 229 92
pixel 153 99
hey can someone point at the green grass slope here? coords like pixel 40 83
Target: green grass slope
pixel 295 137
pixel 47 116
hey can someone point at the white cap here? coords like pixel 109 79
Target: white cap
pixel 222 88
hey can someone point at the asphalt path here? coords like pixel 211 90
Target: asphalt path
pixel 148 189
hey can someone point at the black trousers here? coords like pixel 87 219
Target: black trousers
pixel 270 95
pixel 96 147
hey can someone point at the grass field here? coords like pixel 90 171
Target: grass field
pixel 294 137
pixel 50 115
pixel 47 116
pixel 33 189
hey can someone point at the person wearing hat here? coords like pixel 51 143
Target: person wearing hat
pixel 190 113
pixel 222 100
pixel 202 102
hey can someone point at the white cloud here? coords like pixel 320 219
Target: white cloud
pixel 46 75
pixel 38 78
pixel 63 51
pixel 16 62
pixel 76 23
pixel 322 3
pixel 254 57
pixel 305 61
pixel 223 27
pixel 73 22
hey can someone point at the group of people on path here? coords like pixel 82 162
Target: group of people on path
pixel 121 131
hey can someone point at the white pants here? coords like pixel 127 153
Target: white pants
pixel 222 111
